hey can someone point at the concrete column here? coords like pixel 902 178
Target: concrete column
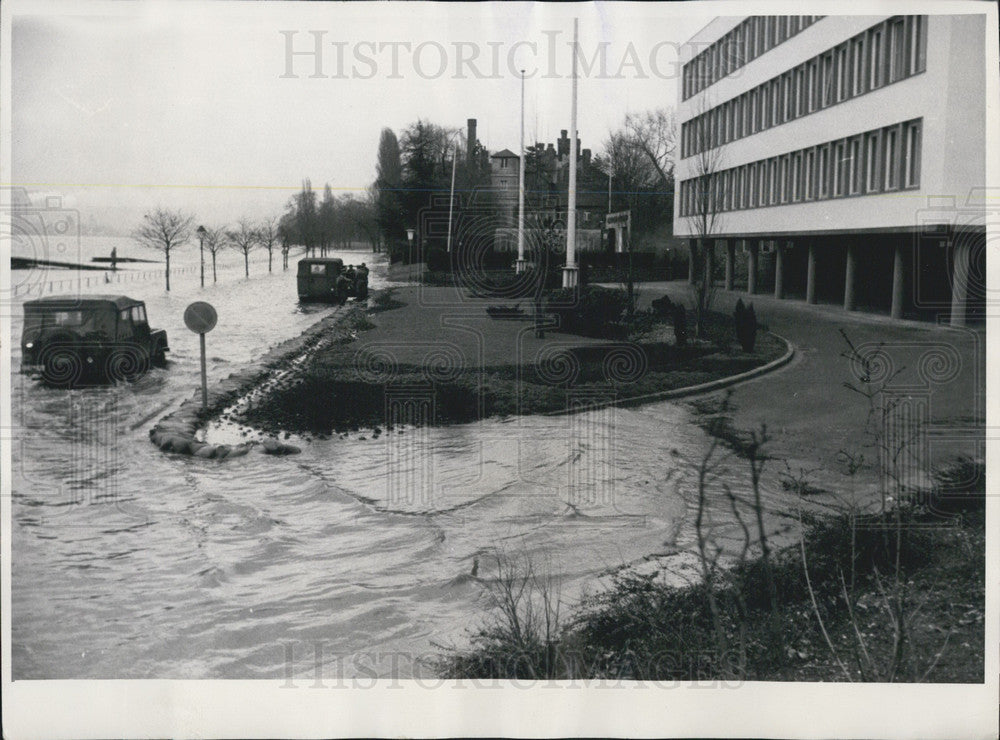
pixel 811 275
pixel 691 258
pixel 730 262
pixel 753 247
pixel 960 283
pixel 897 283
pixel 779 269
pixel 849 275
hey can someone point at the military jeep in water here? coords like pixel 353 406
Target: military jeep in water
pixel 325 279
pixel 75 341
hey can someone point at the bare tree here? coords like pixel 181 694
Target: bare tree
pixel 705 218
pixel 653 132
pixel 215 242
pixel 267 233
pixel 164 231
pixel 244 239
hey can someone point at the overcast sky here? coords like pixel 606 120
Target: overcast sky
pixel 125 106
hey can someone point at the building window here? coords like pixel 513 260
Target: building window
pixel 843 79
pixel 800 103
pixel 891 166
pixel 918 29
pixel 858 63
pixel 897 50
pixel 786 98
pixel 824 171
pixel 838 169
pixel 871 162
pixel 853 170
pixel 762 184
pixel 810 176
pixel 912 154
pixel 875 58
pixel 797 177
pixel 827 80
pixel 772 181
pixel 783 180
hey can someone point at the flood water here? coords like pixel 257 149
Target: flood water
pixel 132 563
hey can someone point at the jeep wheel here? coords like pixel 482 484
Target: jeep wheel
pixel 128 364
pixel 62 365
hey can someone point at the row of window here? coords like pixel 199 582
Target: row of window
pixel 885 53
pixel 746 42
pixel 877 161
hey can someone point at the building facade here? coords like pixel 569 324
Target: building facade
pixel 848 149
pixel 547 192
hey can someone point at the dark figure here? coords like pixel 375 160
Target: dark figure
pixel 363 271
pixel 342 287
pixel 114 258
pixel 680 324
pixel 662 306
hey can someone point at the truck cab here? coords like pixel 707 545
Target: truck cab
pixel 73 341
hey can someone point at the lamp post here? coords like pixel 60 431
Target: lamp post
pixel 201 248
pixel 409 260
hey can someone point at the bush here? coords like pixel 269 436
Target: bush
pixel 590 311
pixel 745 320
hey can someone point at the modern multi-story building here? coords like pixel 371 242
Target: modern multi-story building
pixel 849 149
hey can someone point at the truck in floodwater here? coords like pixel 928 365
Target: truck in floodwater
pixel 325 279
pixel 79 340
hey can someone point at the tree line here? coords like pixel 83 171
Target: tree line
pixel 166 230
pixel 417 166
pixel 320 224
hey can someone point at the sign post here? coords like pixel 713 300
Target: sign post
pixel 200 317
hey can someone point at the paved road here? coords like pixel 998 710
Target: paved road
pixel 806 407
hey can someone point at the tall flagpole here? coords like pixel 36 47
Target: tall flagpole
pixel 520 195
pixel 570 271
pixel 451 201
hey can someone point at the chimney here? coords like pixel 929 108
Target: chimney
pixel 563 143
pixel 470 147
pixel 586 158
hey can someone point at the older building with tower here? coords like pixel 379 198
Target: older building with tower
pixel 847 152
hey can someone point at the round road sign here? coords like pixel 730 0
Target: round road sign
pixel 200 317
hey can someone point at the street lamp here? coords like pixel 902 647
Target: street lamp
pixel 409 261
pixel 201 249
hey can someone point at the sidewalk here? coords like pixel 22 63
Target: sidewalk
pixel 808 411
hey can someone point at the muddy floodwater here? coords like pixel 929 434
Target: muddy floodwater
pixel 132 563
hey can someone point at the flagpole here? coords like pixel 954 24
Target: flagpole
pixel 570 271
pixel 520 195
pixel 451 201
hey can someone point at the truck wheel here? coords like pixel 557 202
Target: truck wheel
pixel 128 364
pixel 62 366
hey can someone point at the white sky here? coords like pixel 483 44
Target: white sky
pixel 121 107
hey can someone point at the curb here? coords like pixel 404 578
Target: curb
pixel 176 431
pixel 691 390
